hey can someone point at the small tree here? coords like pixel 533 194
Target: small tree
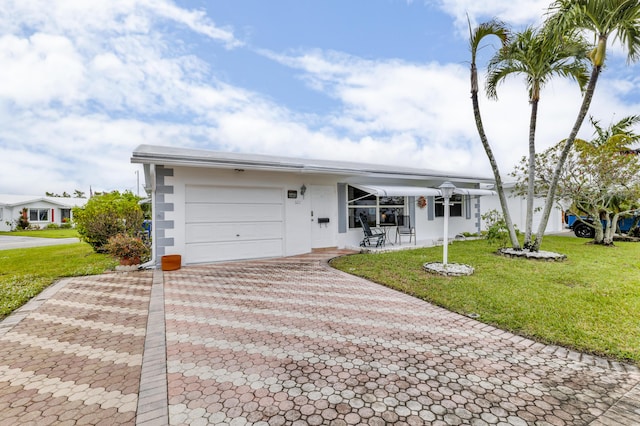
pixel 107 215
pixel 600 180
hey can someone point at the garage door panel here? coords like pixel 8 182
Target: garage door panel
pixel 205 252
pixel 221 232
pixel 222 194
pixel 220 213
pixel 230 223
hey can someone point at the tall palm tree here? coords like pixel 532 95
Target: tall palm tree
pixel 534 54
pixel 499 30
pixel 616 19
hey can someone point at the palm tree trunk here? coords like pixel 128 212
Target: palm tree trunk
pixel 549 201
pixel 532 173
pixel 492 161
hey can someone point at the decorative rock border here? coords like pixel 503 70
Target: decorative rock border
pixel 449 270
pixel 537 255
pixel 127 268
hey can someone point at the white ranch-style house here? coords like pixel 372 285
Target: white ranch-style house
pixel 218 206
pixel 40 211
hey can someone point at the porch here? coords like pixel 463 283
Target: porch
pixel 406 245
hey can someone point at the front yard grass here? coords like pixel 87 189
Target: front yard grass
pixel 43 233
pixel 590 302
pixel 26 272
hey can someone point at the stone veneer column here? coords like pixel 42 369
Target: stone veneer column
pixel 161 207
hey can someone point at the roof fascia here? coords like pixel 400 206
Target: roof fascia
pixel 292 166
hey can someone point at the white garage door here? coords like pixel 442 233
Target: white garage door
pixel 229 223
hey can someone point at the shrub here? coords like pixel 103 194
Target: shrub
pixel 65 225
pixel 22 222
pixel 127 247
pixel 53 226
pixel 497 231
pixel 107 215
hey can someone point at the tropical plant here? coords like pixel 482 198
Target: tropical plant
pixel 534 54
pixel 500 30
pixel 621 130
pixel 106 215
pixel 605 19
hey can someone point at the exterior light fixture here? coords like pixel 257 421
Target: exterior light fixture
pixel 303 189
pixel 446 189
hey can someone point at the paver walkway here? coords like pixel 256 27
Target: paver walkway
pixel 285 341
pixel 73 355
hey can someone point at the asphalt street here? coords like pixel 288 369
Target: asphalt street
pixel 10 242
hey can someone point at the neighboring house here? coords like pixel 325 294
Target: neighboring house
pixel 216 206
pixel 40 211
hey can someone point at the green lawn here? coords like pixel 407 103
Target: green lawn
pixel 26 272
pixel 43 233
pixel 590 302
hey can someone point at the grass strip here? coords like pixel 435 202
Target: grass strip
pixel 43 233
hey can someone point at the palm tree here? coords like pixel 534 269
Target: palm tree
pixel 538 57
pixel 622 132
pixel 500 30
pixel 617 19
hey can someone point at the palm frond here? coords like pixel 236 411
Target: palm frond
pixel 494 27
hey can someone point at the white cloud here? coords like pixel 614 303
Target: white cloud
pixel 86 18
pixel 40 69
pixel 197 21
pixel 428 108
pixel 86 82
pixel 515 12
pixel 60 151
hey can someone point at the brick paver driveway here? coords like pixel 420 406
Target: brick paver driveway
pixel 286 341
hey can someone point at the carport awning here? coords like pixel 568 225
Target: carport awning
pixel 397 191
pixel 474 191
pixel 416 191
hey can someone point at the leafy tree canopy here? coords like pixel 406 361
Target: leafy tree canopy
pixel 106 215
pixel 601 179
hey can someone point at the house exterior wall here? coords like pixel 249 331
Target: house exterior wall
pixel 301 231
pixel 10 213
pixel 518 210
pixel 170 215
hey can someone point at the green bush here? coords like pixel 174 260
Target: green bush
pixel 497 231
pixel 65 225
pixel 107 215
pixel 22 222
pixel 53 226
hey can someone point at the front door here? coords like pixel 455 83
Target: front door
pixel 323 218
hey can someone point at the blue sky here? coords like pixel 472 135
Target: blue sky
pixel 82 83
